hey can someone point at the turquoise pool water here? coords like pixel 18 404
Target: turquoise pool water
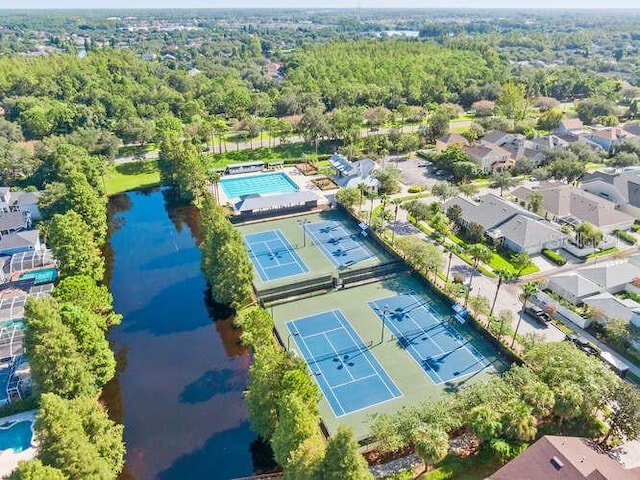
pixel 17 437
pixel 258 184
pixel 46 275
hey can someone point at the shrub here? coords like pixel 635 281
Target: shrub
pixel 415 189
pixel 626 236
pixel 554 257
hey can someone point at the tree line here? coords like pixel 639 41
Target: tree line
pixel 282 401
pixel 65 336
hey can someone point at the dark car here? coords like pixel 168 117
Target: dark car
pixel 583 344
pixel 537 314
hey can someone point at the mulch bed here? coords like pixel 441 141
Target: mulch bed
pixel 306 168
pixel 325 183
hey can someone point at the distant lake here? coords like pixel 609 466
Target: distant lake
pixel 181 374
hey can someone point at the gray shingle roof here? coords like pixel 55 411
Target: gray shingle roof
pixel 11 221
pixel 561 200
pixel 527 232
pixel 490 212
pixel 611 275
pixel 575 284
pixel 28 238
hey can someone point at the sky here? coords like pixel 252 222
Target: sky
pixel 12 4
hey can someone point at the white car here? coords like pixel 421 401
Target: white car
pixel 424 163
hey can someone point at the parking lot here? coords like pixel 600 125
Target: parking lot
pixel 414 174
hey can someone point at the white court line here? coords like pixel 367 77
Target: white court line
pixel 463 345
pixel 308 362
pixel 364 354
pixel 258 264
pixel 323 332
pixel 338 356
pixel 294 255
pixel 419 355
pixel 356 380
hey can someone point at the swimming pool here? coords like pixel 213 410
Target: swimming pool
pixel 16 437
pixel 258 184
pixel 46 275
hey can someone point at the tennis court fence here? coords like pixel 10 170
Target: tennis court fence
pixel 375 273
pixel 297 289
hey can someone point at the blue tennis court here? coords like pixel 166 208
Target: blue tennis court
pixel 348 374
pixel 342 247
pixel 438 347
pixel 273 256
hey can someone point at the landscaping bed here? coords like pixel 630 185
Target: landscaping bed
pixel 325 183
pixel 306 168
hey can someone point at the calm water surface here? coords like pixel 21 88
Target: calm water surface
pixel 181 375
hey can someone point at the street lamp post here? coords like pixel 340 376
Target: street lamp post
pixel 385 311
pixel 304 231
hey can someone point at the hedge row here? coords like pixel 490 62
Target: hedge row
pixel 626 236
pixel 554 257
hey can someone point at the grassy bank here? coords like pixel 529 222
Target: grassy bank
pixel 129 176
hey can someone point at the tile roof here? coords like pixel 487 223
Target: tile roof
pixel 572 123
pixel 564 458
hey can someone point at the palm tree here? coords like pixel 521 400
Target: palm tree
pixel 528 289
pixel 431 444
pixel 478 252
pixel 521 261
pixel 503 180
pixel 396 202
pixel 363 188
pixel 504 275
pixel 214 178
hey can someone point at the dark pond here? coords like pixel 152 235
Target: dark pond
pixel 181 374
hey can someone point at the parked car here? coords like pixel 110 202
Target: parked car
pixel 440 172
pixel 424 163
pixel 583 344
pixel 537 314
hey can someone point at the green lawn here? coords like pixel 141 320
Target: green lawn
pixel 499 261
pixel 474 467
pixel 129 176
pixel 291 151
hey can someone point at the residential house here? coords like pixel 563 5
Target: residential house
pixel 564 458
pixel 573 287
pixel 608 137
pixel 353 174
pixel 490 158
pixel 500 138
pixel 20 202
pixel 570 126
pixel 567 204
pixel 622 187
pixel 14 222
pixel 632 128
pixel 508 224
pixel 450 139
pixel 21 241
pixel 614 307
pixel 613 277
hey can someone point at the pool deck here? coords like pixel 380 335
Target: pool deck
pixel 8 458
pixel 303 182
